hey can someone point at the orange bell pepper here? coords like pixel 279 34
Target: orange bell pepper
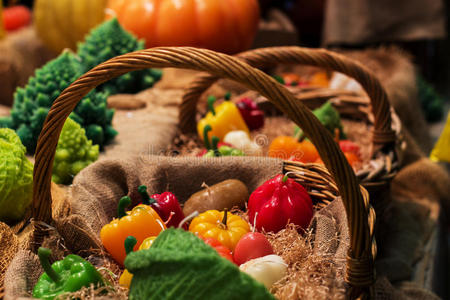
pixel 351 157
pixel 320 79
pixel 222 119
pixel 287 147
pixel 141 222
pixel 222 226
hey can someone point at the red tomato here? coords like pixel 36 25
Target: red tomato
pixel 349 146
pixel 16 17
pixel 252 245
pixel 221 249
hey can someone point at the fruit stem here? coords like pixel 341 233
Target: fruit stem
pixel 123 203
pixel 225 217
pixel 142 190
pixel 44 254
pixel 129 244
pixel 211 100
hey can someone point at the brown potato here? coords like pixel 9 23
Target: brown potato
pixel 225 194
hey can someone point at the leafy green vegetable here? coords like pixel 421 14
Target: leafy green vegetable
pixel 32 103
pixel 107 41
pixel 329 117
pixel 181 266
pixel 73 153
pixel 16 177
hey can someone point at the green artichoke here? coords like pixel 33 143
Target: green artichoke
pixel 73 153
pixel 16 177
pixel 109 40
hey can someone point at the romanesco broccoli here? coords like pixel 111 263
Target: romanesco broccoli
pixel 16 177
pixel 109 40
pixel 32 103
pixel 73 153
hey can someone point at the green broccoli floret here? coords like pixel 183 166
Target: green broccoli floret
pixel 32 103
pixel 16 177
pixel 73 153
pixel 106 41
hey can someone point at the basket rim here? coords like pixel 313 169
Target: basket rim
pixel 386 136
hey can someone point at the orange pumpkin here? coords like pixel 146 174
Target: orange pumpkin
pixel 222 25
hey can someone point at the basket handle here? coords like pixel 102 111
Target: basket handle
pixel 360 269
pixel 268 57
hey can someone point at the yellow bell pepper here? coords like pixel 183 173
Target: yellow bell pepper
pixel 222 119
pixel 147 243
pixel 222 226
pixel 441 151
pixel 130 242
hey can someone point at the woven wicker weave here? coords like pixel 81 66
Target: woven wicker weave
pixel 361 217
pixel 374 111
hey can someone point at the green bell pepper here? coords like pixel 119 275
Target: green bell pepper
pixel 67 275
pixel 329 117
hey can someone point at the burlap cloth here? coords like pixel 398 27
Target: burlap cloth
pixel 408 222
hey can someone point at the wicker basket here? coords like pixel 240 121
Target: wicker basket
pixel 342 181
pixel 373 112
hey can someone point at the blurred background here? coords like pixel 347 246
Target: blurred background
pixel 419 27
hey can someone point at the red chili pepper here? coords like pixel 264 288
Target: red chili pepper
pixel 221 249
pixel 278 201
pixel 253 116
pixel 166 205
